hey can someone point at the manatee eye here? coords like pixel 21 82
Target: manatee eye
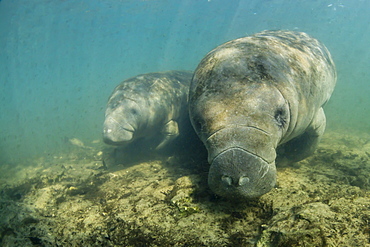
pixel 114 104
pixel 133 111
pixel 280 117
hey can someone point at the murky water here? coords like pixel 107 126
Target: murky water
pixel 61 186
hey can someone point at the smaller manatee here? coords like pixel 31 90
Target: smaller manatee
pixel 147 106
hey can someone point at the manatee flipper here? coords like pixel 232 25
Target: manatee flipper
pixel 304 145
pixel 169 131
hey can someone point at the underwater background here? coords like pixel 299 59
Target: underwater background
pixel 60 60
pixel 60 185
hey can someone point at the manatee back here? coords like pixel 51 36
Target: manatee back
pixel 159 82
pixel 158 88
pixel 286 59
pixel 308 65
pixel 299 66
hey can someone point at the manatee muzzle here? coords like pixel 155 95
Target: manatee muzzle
pixel 117 133
pixel 238 174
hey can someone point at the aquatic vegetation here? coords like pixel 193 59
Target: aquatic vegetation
pixel 321 201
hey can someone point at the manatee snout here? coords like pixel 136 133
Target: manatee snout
pixel 117 132
pixel 237 173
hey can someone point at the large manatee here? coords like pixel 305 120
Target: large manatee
pixel 255 97
pixel 147 106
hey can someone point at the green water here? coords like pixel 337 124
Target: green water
pixel 60 60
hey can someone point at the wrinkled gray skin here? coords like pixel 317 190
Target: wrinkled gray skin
pixel 147 106
pixel 255 97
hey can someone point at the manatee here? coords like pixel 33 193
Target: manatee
pixel 149 107
pixel 256 101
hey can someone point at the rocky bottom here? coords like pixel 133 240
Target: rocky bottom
pixel 97 196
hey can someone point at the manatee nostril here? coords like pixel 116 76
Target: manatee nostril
pixel 227 180
pixel 243 180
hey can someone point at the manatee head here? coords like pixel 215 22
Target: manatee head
pixel 241 117
pixel 241 134
pixel 124 117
